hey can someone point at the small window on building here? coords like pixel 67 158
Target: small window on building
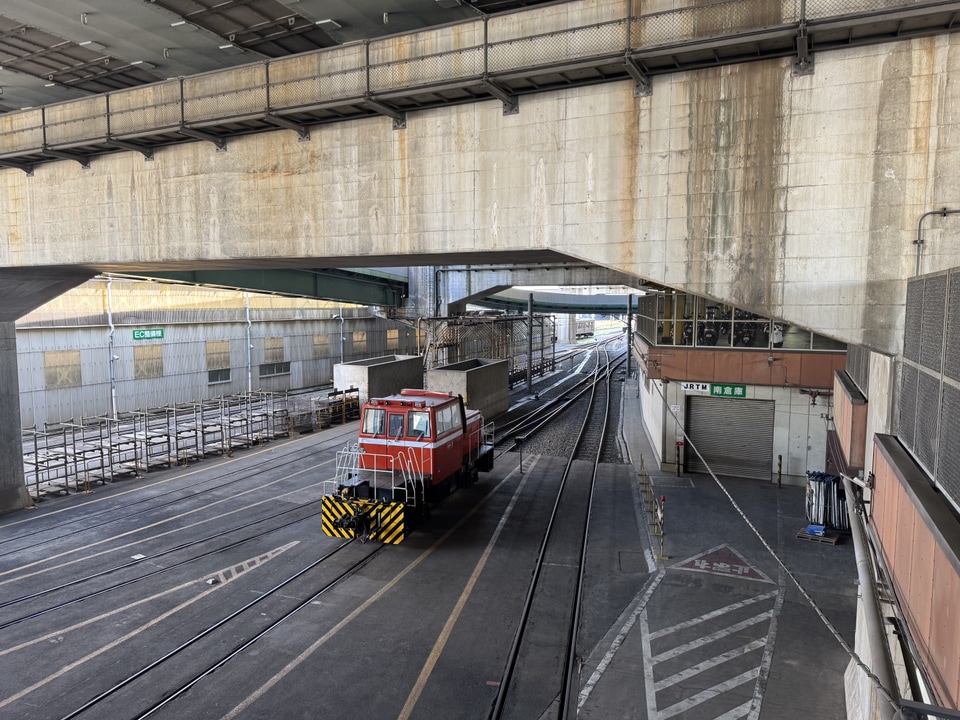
pixel 273 350
pixel 218 376
pixel 218 361
pixel 147 362
pixel 61 369
pixel 359 341
pixel 393 339
pixel 271 369
pixel 273 362
pixel 321 347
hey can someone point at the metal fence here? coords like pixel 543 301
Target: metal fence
pixel 447 55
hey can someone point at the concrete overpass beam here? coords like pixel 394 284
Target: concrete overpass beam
pixel 459 286
pixel 13 490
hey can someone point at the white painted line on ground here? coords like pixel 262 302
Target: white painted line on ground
pixel 768 650
pixel 712 615
pixel 649 684
pixel 322 640
pixel 172 519
pixel 441 642
pixel 700 642
pixel 708 694
pixel 641 601
pixel 738 713
pixel 708 664
pixel 651 561
pixel 226 576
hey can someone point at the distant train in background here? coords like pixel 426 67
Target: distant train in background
pixel 585 328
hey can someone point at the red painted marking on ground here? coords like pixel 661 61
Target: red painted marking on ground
pixel 723 560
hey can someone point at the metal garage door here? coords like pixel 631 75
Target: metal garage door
pixel 734 436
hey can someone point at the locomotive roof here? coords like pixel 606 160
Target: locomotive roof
pixel 415 398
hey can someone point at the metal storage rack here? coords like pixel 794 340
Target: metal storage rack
pixel 45 463
pixel 69 456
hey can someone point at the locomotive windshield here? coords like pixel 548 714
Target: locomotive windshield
pixel 396 425
pixel 419 423
pixel 373 420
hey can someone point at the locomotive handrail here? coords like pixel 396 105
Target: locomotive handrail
pixel 403 466
pixel 412 473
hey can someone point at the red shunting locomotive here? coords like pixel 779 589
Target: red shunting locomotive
pixel 412 449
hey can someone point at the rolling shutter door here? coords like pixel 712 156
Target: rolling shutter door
pixel 734 436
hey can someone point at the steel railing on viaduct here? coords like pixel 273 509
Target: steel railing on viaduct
pixel 493 57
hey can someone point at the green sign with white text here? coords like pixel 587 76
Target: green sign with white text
pixel 725 390
pixel 151 334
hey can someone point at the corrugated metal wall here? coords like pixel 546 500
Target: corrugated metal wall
pixel 189 317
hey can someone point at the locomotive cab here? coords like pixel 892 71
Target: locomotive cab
pixel 412 448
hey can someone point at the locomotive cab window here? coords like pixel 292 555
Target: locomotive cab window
pixel 373 421
pixel 447 419
pixel 419 424
pixel 396 425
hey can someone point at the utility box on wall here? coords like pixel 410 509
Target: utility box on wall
pixel 380 376
pixel 484 384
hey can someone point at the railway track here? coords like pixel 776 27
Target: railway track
pixel 567 548
pixel 240 618
pixel 50 527
pixel 178 660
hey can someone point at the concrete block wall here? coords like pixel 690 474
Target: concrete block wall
pixel 484 384
pixel 381 376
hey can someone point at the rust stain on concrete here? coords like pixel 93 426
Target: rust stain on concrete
pixel 629 207
pixel 735 222
pixel 898 146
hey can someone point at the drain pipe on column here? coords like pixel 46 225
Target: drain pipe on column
pixel 876 637
pixel 113 357
pixel 246 303
pixel 530 345
pixel 919 241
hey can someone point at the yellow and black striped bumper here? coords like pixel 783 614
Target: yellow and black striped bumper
pixel 353 518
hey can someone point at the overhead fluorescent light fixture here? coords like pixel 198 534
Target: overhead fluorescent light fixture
pixel 328 25
pixel 231 49
pixel 183 26
pixel 143 64
pixel 91 45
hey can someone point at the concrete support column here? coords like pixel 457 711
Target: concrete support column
pixel 13 490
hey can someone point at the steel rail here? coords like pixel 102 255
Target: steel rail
pixel 496 712
pixel 568 687
pixel 230 477
pixel 223 621
pixel 152 573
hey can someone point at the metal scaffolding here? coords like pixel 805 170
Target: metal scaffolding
pixel 452 340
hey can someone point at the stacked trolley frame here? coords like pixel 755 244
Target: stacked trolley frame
pixel 70 456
